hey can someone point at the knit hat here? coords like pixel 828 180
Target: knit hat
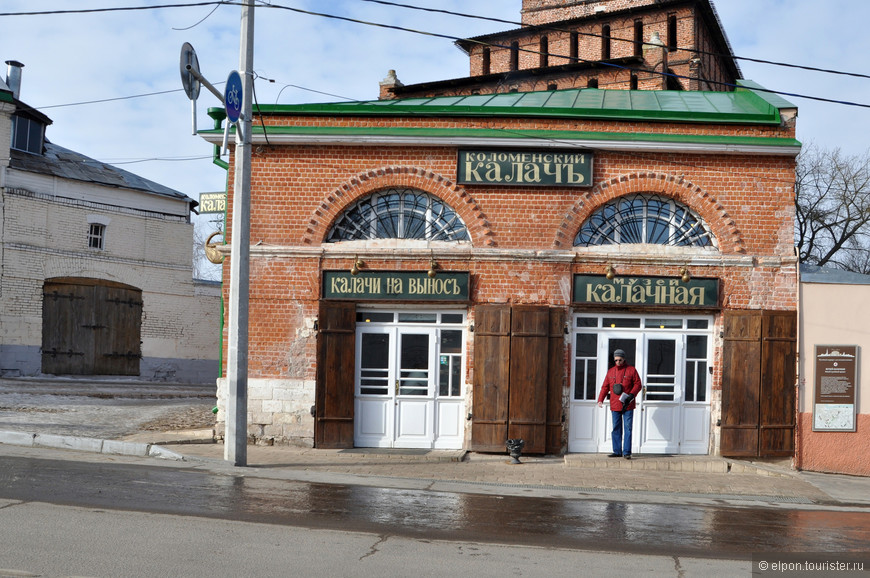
pixel 619 353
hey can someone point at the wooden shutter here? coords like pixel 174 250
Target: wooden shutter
pixel 489 412
pixel 529 356
pixel 555 380
pixel 518 378
pixel 334 393
pixel 777 393
pixel 758 383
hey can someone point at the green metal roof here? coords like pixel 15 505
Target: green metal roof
pixel 743 106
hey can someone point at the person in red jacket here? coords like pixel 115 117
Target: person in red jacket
pixel 623 384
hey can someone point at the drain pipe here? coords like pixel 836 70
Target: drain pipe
pixel 218 114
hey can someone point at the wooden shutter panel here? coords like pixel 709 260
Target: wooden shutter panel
pixel 491 377
pixel 777 393
pixel 741 383
pixel 527 408
pixel 555 380
pixel 758 383
pixel 334 393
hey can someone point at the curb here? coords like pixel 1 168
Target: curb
pixel 83 444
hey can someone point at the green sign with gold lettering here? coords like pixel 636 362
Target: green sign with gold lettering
pixel 396 286
pixel 525 168
pixel 645 291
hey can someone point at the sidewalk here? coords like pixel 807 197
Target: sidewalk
pixel 646 478
pixel 106 419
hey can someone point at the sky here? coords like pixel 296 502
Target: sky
pixel 89 72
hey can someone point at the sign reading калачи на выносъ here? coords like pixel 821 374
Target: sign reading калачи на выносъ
pixel 396 286
pixel 525 168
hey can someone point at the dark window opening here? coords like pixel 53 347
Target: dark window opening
pixel 96 236
pixel 605 42
pixel 515 55
pixel 485 67
pixel 27 134
pixel 592 83
pixel 672 32
pixel 638 38
pixel 633 82
pixel 575 46
pixel 552 86
pixel 544 52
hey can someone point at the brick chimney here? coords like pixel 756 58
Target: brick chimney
pixel 388 84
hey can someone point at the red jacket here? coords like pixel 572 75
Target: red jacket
pixel 630 380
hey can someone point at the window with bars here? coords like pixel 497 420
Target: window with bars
pixel 651 219
pixel 96 236
pixel 399 214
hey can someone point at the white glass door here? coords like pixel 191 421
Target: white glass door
pixel 608 344
pixel 400 374
pixel 658 422
pixel 672 355
pixel 414 398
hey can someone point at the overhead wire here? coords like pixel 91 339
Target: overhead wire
pixel 267 4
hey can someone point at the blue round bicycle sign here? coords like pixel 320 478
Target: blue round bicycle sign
pixel 233 97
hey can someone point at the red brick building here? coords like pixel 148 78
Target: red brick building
pixel 454 271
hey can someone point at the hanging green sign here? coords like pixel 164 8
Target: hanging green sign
pixel 645 291
pixel 396 286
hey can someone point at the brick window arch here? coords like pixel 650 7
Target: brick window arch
pixel 645 218
pixel 399 213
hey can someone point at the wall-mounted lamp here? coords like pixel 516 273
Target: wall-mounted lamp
pixel 357 265
pixel 610 273
pixel 684 274
pixel 433 266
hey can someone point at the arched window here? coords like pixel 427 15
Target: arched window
pixel 645 219
pixel 399 214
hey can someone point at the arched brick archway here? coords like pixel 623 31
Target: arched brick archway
pixel 720 222
pixel 390 177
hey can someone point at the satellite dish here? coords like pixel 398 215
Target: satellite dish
pixel 188 79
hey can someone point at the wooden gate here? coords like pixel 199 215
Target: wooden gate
pixel 91 327
pixel 758 383
pixel 334 393
pixel 518 378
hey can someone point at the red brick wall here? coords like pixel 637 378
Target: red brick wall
pixel 298 191
pixel 536 12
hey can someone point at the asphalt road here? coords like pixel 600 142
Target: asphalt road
pixel 679 530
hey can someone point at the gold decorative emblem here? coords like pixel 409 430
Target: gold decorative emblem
pixel 211 252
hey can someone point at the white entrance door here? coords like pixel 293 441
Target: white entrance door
pixel 672 357
pixel 607 345
pixel 658 422
pixel 395 405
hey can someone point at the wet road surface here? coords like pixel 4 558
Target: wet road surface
pixel 720 532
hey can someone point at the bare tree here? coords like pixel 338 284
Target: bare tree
pixel 832 196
